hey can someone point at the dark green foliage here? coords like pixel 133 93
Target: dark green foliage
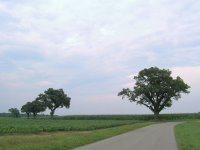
pixel 27 109
pixel 36 107
pixel 33 107
pixel 53 99
pixel 156 89
pixel 14 112
pixel 132 117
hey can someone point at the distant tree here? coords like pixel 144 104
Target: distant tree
pixel 37 107
pixel 53 99
pixel 27 109
pixel 155 88
pixel 4 114
pixel 33 107
pixel 14 112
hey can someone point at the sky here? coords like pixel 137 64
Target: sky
pixel 93 48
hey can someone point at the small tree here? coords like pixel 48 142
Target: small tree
pixel 53 99
pixel 36 107
pixel 155 89
pixel 27 109
pixel 33 107
pixel 14 112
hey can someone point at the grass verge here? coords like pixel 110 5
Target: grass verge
pixel 188 135
pixel 62 140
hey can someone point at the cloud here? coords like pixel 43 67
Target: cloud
pixel 45 83
pixel 190 74
pixel 188 102
pixel 92 45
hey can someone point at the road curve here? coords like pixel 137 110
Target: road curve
pixel 153 137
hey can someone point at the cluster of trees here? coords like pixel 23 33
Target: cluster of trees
pixel 154 88
pixel 51 99
pixel 33 107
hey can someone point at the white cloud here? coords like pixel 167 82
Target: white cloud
pixel 188 102
pixel 45 83
pixel 104 40
pixel 190 74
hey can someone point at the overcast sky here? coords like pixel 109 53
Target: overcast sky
pixel 92 49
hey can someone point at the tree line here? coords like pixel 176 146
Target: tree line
pixel 51 99
pixel 154 88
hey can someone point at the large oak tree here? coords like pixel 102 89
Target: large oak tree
pixel 53 99
pixel 156 89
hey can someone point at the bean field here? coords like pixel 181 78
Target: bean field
pixel 23 125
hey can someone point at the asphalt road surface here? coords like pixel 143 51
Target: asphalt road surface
pixel 153 137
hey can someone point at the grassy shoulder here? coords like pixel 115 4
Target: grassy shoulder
pixel 62 140
pixel 188 135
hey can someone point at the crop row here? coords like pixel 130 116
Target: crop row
pixel 132 117
pixel 22 125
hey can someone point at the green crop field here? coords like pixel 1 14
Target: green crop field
pixel 59 134
pixel 72 131
pixel 164 117
pixel 23 125
pixel 188 135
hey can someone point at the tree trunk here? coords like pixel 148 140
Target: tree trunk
pixel 52 113
pixel 28 115
pixel 156 115
pixel 34 115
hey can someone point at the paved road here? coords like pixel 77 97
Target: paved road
pixel 153 137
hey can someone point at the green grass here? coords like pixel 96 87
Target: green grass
pixel 62 140
pixel 23 125
pixel 188 135
pixel 73 131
